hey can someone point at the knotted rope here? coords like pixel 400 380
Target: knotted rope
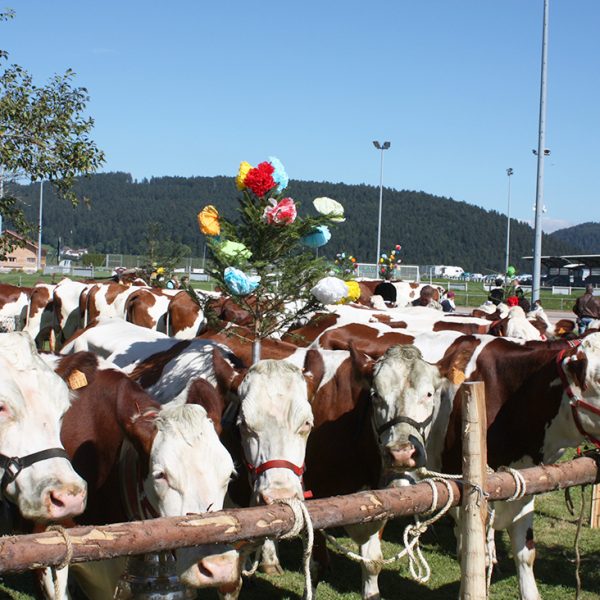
pixel 66 559
pixel 418 566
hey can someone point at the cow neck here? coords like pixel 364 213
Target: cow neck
pixel 131 483
pixel 576 402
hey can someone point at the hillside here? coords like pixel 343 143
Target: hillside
pixel 431 229
pixel 584 238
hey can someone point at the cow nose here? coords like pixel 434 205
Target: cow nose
pixel 271 495
pixel 65 502
pixel 219 570
pixel 402 455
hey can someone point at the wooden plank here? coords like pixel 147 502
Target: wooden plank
pixel 595 513
pixel 24 552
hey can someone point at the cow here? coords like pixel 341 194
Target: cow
pixel 105 300
pixel 142 460
pixel 40 317
pixel 14 304
pixel 148 307
pixel 36 474
pixel 541 397
pixel 67 312
pixel 186 318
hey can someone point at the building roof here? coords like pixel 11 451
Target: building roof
pixel 570 261
pixel 28 243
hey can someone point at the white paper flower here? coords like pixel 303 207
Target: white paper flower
pixel 328 206
pixel 330 290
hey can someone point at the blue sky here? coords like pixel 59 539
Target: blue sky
pixel 194 87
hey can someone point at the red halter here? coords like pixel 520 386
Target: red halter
pixel 280 464
pixel 575 401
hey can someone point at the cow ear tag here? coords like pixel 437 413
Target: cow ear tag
pixel 456 376
pixel 77 379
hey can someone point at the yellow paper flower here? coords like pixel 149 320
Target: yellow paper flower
pixel 208 221
pixel 160 271
pixel 353 291
pixel 241 176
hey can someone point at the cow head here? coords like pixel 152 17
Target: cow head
pixel 189 471
pixel 33 400
pixel 274 420
pixel 405 395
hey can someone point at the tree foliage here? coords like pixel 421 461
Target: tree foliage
pixel 44 135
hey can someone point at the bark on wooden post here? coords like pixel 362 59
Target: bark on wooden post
pixel 595 514
pixel 474 504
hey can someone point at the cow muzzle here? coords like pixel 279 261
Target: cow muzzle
pixel 221 571
pixel 409 454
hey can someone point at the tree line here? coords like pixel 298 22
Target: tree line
pixel 123 214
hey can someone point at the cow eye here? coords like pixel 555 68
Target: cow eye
pixel 429 394
pixel 305 429
pixel 159 475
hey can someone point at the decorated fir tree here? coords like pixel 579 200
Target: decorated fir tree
pixel 265 260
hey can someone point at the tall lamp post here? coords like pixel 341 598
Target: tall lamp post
pixel 509 172
pixel 39 254
pixel 381 147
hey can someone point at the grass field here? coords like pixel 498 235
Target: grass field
pixel 555 569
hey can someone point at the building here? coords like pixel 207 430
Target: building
pixel 22 258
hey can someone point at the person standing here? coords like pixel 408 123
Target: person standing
pixel 587 308
pixel 448 304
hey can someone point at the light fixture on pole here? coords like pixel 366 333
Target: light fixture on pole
pixel 509 172
pixel 381 147
pixel 39 253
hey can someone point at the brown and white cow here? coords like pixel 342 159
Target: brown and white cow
pixel 141 461
pixel 186 318
pixel 40 317
pixel 541 398
pixel 36 474
pixel 14 304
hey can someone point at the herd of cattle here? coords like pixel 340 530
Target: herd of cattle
pixel 144 410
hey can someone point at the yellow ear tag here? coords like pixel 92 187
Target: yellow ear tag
pixel 456 376
pixel 77 380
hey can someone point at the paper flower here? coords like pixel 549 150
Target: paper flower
pixel 239 283
pixel 280 176
pixel 398 247
pixel 280 213
pixel 232 250
pixel 353 291
pixel 328 206
pixel 208 221
pixel 260 179
pixel 319 237
pixel 330 290
pixel 245 167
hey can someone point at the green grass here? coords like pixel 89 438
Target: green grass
pixel 554 567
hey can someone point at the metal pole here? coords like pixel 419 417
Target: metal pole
pixel 539 195
pixel 380 205
pixel 39 255
pixel 509 172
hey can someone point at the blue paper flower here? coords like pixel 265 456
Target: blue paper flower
pixel 319 237
pixel 279 176
pixel 239 283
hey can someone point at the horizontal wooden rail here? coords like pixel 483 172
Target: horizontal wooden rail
pixel 24 552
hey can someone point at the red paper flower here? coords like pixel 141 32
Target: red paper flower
pixel 260 179
pixel 281 213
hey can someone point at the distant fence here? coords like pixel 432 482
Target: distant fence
pixel 405 272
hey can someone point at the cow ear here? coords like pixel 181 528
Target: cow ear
pixel 204 394
pixel 314 370
pixel 577 367
pixel 78 370
pixel 136 413
pixel 228 378
pixel 361 362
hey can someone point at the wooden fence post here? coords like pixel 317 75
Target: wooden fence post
pixel 474 504
pixel 595 514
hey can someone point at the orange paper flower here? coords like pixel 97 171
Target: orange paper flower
pixel 208 221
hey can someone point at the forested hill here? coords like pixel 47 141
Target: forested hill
pixel 431 229
pixel 584 238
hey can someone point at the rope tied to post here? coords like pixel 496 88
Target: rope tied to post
pixel 418 566
pixel 65 561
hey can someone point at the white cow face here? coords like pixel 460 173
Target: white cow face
pixel 189 472
pixel 405 396
pixel 275 419
pixel 33 400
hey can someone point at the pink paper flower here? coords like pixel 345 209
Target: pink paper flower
pixel 281 213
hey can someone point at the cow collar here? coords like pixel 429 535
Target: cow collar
pixel 280 464
pixel 576 402
pixel 137 504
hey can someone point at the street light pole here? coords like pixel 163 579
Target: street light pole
pixel 509 172
pixel 381 147
pixel 39 254
pixel 541 152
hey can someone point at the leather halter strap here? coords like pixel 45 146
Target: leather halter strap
pixel 418 425
pixel 137 504
pixel 13 465
pixel 279 464
pixel 575 401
